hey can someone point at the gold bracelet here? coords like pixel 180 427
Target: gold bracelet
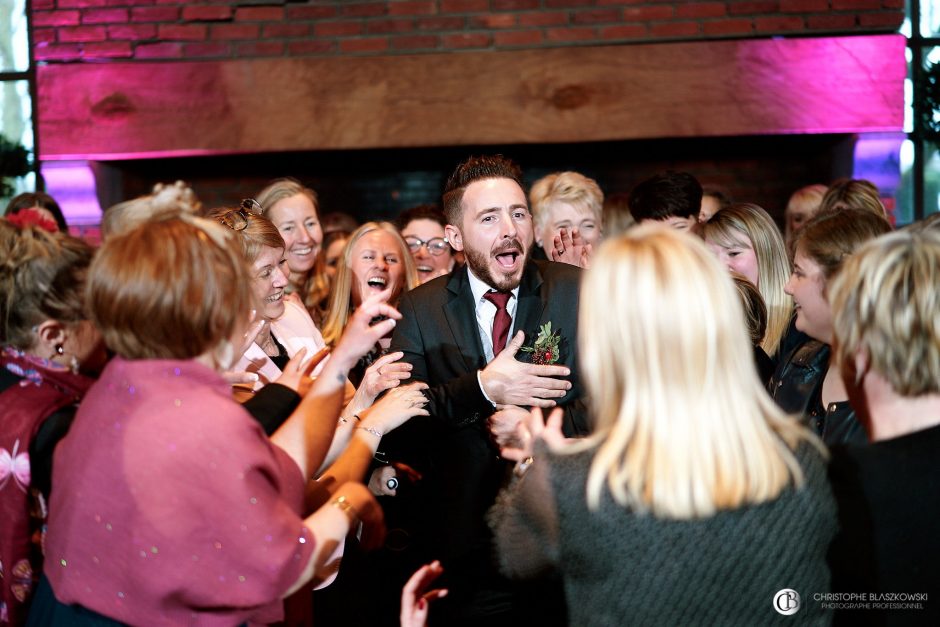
pixel 343 504
pixel 523 466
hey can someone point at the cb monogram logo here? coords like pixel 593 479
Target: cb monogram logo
pixel 787 602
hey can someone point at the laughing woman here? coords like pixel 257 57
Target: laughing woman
pixel 293 209
pixel 375 259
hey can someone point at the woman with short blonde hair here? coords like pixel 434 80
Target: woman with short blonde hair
pixel 691 470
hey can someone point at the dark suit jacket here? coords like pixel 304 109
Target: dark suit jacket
pixel 439 336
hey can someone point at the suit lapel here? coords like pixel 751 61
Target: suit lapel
pixel 460 313
pixel 531 305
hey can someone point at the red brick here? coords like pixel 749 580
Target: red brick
pixel 371 9
pixel 162 50
pixel 411 7
pixel 878 20
pixel 597 16
pixel 618 2
pixel 467 40
pixel 43 5
pixel 514 5
pixel 570 34
pixel 501 20
pixel 381 27
pixel 58 52
pixel 286 30
pixel 831 22
pixel 514 38
pixel 337 29
pixel 803 6
pixel 74 34
pixel 719 28
pixel 464 6
pixel 625 31
pixel 893 4
pixel 207 49
pixel 260 49
pixel 259 14
pixel 645 14
pixel 777 24
pixel 309 46
pixel 155 14
pixel 310 13
pixel 754 8
pixel 104 16
pixel 848 5
pixel 675 29
pixel 235 31
pixel 368 44
pixel 701 9
pixel 107 50
pixel 43 36
pixel 415 42
pixel 441 23
pixel 167 2
pixel 207 13
pixel 79 4
pixel 182 32
pixel 134 32
pixel 567 3
pixel 128 3
pixel 543 18
pixel 56 18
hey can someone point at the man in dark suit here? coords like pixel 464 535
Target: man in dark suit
pixel 455 332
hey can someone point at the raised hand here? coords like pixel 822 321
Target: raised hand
pixel 386 373
pixel 572 249
pixel 510 382
pixel 415 598
pixel 535 426
pixel 504 425
pixel 396 407
pixel 296 373
pixel 360 335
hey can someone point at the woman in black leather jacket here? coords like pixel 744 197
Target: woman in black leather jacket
pixel 805 381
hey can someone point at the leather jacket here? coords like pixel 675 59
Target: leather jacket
pixel 797 388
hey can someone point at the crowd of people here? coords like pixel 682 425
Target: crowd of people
pixel 503 409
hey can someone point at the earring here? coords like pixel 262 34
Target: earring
pixel 59 350
pixel 73 365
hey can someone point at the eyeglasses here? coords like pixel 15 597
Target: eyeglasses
pixel 237 219
pixel 436 245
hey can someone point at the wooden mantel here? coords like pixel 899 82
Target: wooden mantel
pixel 726 88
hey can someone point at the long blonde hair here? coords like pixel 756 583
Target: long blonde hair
pixel 341 297
pixel 684 427
pixel 773 267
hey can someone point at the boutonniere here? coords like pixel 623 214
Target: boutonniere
pixel 545 348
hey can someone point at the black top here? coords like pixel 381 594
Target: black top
pixel 888 494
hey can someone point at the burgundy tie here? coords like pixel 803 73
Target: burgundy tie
pixel 502 322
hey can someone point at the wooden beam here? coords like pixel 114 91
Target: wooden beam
pixel 727 88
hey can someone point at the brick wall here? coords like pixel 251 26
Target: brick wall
pixel 77 30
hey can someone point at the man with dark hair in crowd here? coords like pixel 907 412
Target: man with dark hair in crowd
pixel 674 198
pixel 464 335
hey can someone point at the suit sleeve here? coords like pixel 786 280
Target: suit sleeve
pixel 458 401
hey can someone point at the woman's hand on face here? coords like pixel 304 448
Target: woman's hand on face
pixel 386 373
pixel 360 335
pixel 396 407
pixel 296 373
pixel 255 328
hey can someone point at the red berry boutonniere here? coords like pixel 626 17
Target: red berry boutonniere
pixel 545 348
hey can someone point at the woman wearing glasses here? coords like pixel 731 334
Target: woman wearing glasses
pixel 423 230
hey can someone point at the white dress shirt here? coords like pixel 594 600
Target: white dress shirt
pixel 486 315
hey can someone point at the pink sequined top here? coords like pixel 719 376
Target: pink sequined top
pixel 170 505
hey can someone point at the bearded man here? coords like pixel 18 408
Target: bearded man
pixel 501 332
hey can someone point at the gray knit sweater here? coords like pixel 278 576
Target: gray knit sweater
pixel 621 568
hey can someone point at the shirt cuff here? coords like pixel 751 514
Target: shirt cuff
pixel 480 383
